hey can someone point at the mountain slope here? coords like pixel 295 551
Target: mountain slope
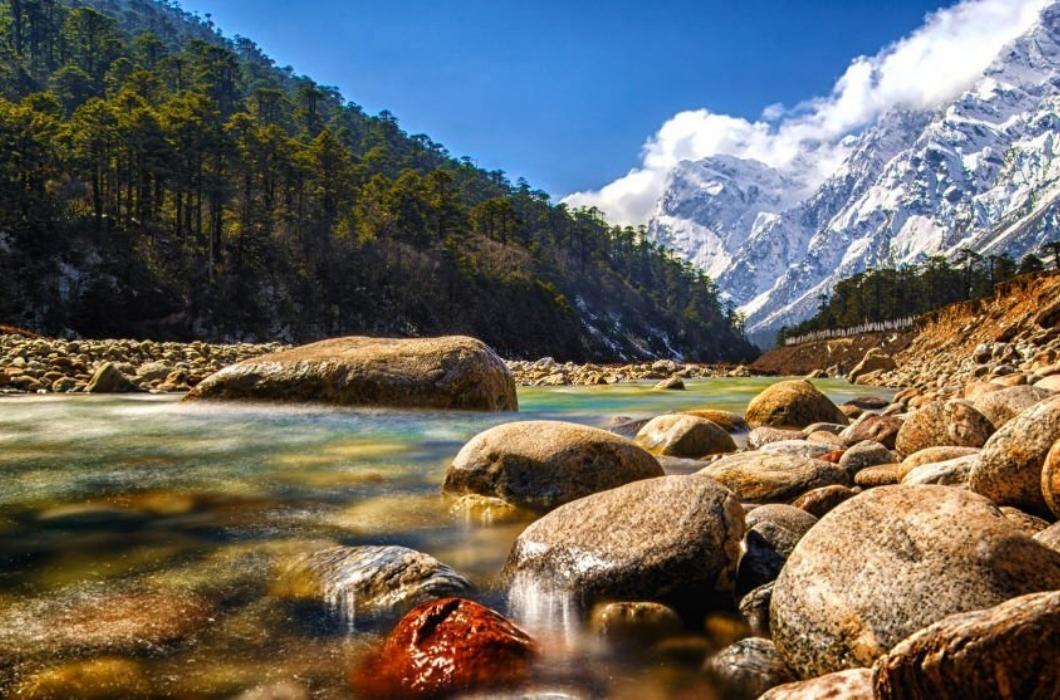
pixel 159 179
pixel 980 172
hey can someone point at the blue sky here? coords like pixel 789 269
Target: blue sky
pixel 566 93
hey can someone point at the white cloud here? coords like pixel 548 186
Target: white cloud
pixel 933 64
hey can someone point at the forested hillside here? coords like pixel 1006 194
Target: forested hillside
pixel 159 180
pixel 891 293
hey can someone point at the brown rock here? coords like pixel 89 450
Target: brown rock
pixel 443 647
pixel 819 501
pixel 681 435
pixel 1050 537
pixel 1007 651
pixel 644 622
pixel 453 372
pixel 881 429
pixel 748 668
pixel 762 477
pixel 1002 406
pixel 539 465
pixel 729 422
pixel 891 561
pixel 853 684
pixel 931 455
pixel 1051 479
pixel 1030 524
pixel 879 475
pixel 875 360
pixel 93 679
pixel 760 437
pixel 794 403
pixel 109 380
pixel 950 423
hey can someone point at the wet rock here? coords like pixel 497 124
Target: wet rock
pixel 867 453
pixel 798 448
pixel 760 477
pixel 453 372
pixel 104 622
pixel 486 510
pixel 949 423
pixel 642 622
pixel 369 579
pixel 894 560
pixel 1007 651
pixel 281 690
pixel 881 429
pixel 539 465
pixel 92 679
pixel 1009 470
pixel 1051 479
pixel 680 435
pixel 109 380
pixel 933 455
pixel 673 383
pixel 852 684
pixel 444 647
pixel 819 501
pixel 748 668
pixel 674 539
pixel 952 472
pixel 754 608
pixel 794 403
pixel 727 420
pixel 625 426
pixel 760 437
pixel 1002 406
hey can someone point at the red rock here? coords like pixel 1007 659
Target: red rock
pixel 446 646
pixel 834 456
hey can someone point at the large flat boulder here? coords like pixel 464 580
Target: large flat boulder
pixel 539 465
pixel 453 372
pixel 894 560
pixel 763 477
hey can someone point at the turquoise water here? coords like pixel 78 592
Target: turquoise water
pixel 105 494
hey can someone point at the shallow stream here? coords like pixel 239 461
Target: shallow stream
pixel 117 507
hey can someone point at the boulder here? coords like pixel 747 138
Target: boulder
pixel 867 453
pixel 1007 651
pixel 642 622
pixel 108 379
pixel 773 530
pixel 674 539
pixel 879 475
pixel 673 383
pixel 852 684
pixel 1009 470
pixel 1051 478
pixel 1050 537
pixel 680 435
pixel 819 501
pixel 728 421
pixel 760 437
pixel 933 455
pixel 754 609
pixel 748 668
pixel 445 647
pixel 875 360
pixel 943 423
pixel 539 465
pixel 761 477
pixel 453 372
pixel 891 561
pixel 1030 524
pixel 881 429
pixel 795 403
pixel 799 448
pixel 952 472
pixel 368 579
pixel 1000 407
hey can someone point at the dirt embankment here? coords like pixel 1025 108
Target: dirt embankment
pixel 1023 313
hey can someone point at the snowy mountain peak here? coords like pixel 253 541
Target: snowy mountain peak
pixel 982 171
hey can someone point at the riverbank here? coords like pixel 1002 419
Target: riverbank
pixel 33 364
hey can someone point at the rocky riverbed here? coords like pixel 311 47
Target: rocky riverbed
pixel 48 365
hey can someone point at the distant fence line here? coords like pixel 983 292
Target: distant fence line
pixel 878 327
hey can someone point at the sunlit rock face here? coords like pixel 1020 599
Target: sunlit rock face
pixel 981 171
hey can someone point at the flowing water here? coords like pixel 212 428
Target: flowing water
pixel 118 511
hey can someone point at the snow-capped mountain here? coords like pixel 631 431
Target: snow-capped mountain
pixel 982 171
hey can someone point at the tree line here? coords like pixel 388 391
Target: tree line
pixel 159 179
pixel 889 293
